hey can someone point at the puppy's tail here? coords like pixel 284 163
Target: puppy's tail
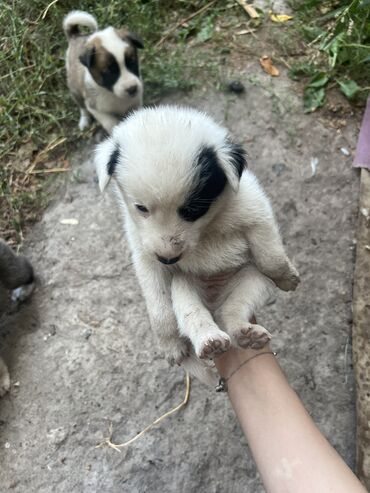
pixel 200 370
pixel 77 18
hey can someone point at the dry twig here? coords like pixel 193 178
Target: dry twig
pixel 108 441
pixel 251 11
pixel 45 171
pixel 44 13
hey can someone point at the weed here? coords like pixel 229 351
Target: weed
pixel 338 51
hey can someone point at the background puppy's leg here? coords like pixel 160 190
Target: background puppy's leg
pixel 155 283
pixel 4 378
pixel 84 119
pixel 251 291
pixel 105 120
pixel 195 321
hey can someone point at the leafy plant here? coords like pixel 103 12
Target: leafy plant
pixel 338 42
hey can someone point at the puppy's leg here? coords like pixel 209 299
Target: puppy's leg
pixel 270 257
pixel 251 291
pixel 195 321
pixel 4 378
pixel 155 283
pixel 84 119
pixel 106 120
pixel 262 235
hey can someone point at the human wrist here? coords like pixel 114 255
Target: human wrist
pixel 227 362
pixel 244 367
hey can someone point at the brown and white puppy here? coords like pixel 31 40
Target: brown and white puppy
pixel 102 70
pixel 16 284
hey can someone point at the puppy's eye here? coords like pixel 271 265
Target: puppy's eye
pixel 142 208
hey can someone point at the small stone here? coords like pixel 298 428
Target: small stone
pixel 53 330
pixel 279 168
pixel 57 435
pixel 236 86
pixel 87 333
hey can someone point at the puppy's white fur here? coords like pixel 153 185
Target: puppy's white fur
pixel 229 256
pixel 106 106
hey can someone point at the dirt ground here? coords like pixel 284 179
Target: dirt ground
pixel 81 354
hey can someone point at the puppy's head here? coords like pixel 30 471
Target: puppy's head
pixel 111 57
pixel 173 170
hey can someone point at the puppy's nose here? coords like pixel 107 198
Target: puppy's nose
pixel 168 261
pixel 132 90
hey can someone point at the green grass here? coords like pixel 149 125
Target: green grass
pixel 337 49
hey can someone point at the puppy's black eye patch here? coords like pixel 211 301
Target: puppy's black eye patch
pixel 132 63
pixel 110 73
pixel 210 182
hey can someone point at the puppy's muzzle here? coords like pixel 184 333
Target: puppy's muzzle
pixel 168 261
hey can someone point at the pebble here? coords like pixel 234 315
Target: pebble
pixel 236 86
pixel 279 168
pixel 87 333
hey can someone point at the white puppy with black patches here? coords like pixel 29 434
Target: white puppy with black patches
pixel 102 70
pixel 205 245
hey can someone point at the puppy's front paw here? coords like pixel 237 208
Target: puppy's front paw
pixel 22 293
pixel 84 122
pixel 4 379
pixel 175 350
pixel 253 336
pixel 211 344
pixel 289 280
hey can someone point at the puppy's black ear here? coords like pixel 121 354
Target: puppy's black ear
pixel 106 160
pixel 233 159
pixel 88 57
pixel 130 37
pixel 135 40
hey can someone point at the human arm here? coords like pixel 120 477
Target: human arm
pixel 291 454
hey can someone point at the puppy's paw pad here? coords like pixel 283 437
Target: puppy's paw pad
pixel 213 344
pixel 253 336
